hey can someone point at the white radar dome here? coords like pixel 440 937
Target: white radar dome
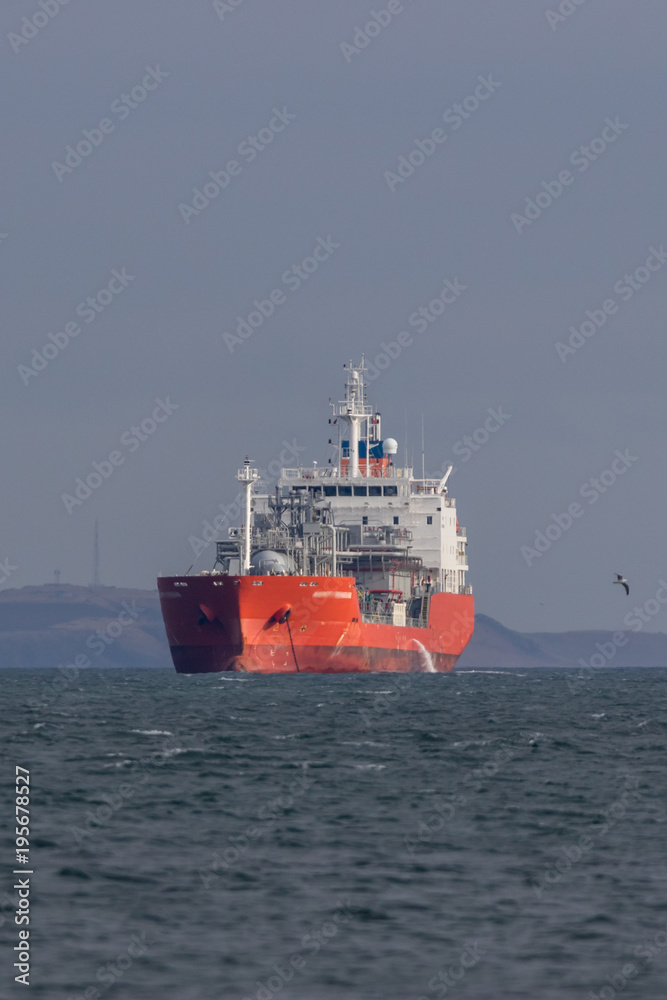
pixel 390 446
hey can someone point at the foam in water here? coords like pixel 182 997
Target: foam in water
pixel 152 732
pixel 427 662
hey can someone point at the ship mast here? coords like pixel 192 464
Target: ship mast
pixel 247 476
pixel 354 411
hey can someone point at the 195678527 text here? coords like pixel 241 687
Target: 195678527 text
pixel 22 885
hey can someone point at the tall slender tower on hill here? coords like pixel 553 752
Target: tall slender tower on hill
pixel 96 557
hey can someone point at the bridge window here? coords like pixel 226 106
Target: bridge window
pixel 360 491
pixel 391 491
pixel 375 491
pixel 330 491
pixel 344 491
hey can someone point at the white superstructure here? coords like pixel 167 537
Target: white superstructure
pixel 361 515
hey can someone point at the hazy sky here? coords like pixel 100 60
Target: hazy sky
pixel 169 92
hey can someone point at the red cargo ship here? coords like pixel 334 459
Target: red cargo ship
pixel 354 567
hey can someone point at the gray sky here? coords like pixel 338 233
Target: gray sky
pixel 219 77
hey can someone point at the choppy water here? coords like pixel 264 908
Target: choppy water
pixel 481 836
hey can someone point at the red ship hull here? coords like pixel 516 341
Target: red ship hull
pixel 233 623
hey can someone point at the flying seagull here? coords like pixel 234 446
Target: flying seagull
pixel 623 582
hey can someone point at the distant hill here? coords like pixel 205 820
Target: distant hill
pixel 493 645
pixel 112 626
pixel 121 627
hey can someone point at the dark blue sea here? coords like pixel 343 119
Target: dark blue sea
pixel 481 835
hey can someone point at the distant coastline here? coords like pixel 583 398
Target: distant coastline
pixel 52 626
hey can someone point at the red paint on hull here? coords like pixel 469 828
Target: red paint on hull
pixel 227 623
